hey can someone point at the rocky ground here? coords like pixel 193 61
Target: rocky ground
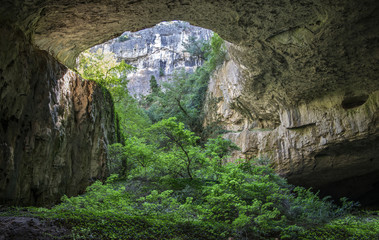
pixel 31 228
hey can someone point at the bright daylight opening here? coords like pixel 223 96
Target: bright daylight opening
pixel 158 73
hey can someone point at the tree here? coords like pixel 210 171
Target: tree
pixel 132 119
pixel 103 68
pixel 198 48
pixel 154 85
pixel 173 101
pixel 217 149
pixel 217 53
pixel 118 160
pixel 139 152
pixel 179 142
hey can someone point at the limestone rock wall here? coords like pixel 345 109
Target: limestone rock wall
pixel 330 143
pixel 54 125
pixel 156 51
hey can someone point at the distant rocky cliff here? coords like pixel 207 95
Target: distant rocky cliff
pixel 156 51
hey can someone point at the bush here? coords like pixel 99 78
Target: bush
pixel 244 202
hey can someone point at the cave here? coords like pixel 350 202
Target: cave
pixel 293 63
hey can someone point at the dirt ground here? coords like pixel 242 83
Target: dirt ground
pixel 29 228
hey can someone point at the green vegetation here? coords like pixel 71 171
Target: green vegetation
pixel 167 184
pixel 234 200
pixel 104 69
pixel 183 97
pixel 198 48
pixel 161 72
pixel 154 85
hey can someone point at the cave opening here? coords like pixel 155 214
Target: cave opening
pixel 157 52
pixel 287 57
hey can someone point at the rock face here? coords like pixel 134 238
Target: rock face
pixel 54 126
pixel 302 66
pixel 156 51
pixel 329 144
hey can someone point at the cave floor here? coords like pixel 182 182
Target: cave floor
pixel 26 228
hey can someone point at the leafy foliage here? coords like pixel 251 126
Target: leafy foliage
pixel 172 188
pixel 154 85
pixel 245 202
pixel 103 68
pixel 217 149
pixel 131 117
pixel 123 38
pixel 174 101
pixel 217 55
pixel 179 143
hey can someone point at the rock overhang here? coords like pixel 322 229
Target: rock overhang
pixel 310 47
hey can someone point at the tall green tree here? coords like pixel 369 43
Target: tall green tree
pixel 179 143
pixel 173 101
pixel 198 48
pixel 103 68
pixel 154 85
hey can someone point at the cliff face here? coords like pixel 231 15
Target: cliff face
pixel 307 73
pixel 54 126
pixel 330 143
pixel 156 51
